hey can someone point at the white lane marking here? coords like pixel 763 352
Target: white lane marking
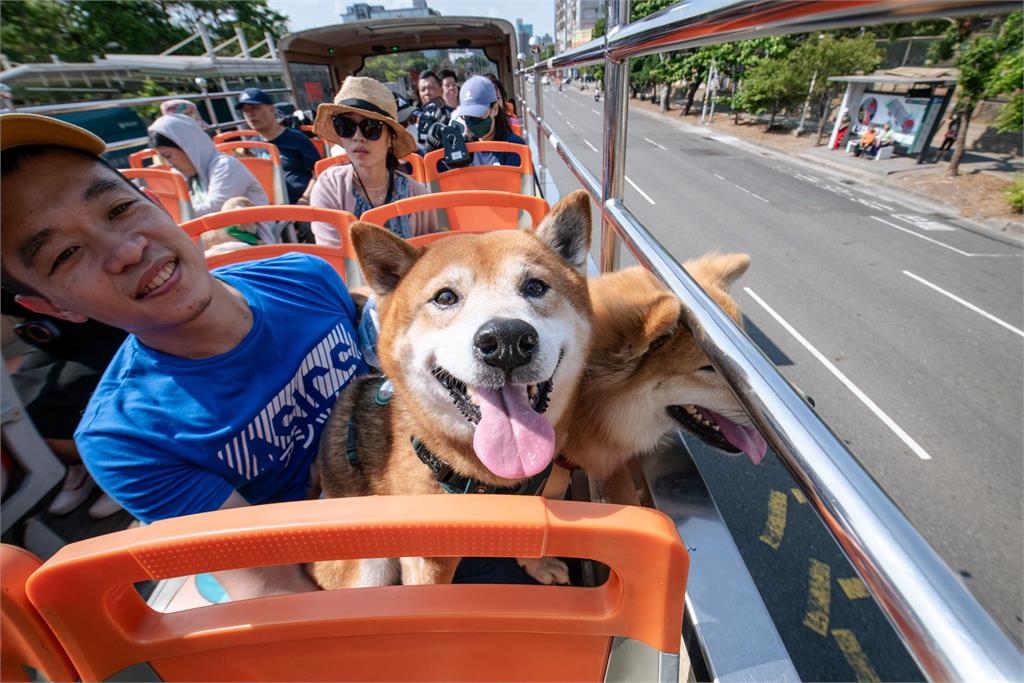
pixel 637 188
pixel 569 124
pixel 922 222
pixel 941 244
pixel 968 304
pixel 558 111
pixel 656 144
pixel 914 446
pixel 590 145
pixel 595 111
pixel 757 196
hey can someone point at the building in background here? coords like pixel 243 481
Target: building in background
pixel 523 34
pixel 574 21
pixel 362 11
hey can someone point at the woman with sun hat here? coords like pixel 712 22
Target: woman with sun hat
pixel 364 120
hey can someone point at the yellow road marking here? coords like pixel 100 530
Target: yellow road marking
pixel 799 495
pixel 855 656
pixel 854 588
pixel 819 597
pixel 775 525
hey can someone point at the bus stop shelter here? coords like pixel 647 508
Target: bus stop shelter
pixel 912 104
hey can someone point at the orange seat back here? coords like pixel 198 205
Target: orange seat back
pixel 288 212
pixel 414 160
pixel 429 632
pixel 268 170
pixel 338 257
pixel 25 639
pixel 321 145
pixel 472 209
pixel 516 128
pixel 139 159
pixel 500 178
pixel 231 135
pixel 168 186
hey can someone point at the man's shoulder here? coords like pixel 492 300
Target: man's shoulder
pixel 292 138
pixel 295 265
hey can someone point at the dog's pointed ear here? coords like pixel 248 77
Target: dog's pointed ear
pixel 383 256
pixel 566 229
pixel 658 321
pixel 718 269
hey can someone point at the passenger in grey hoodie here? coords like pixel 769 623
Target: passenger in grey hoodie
pixel 213 177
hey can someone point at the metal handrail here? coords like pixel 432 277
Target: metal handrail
pixel 947 631
pixel 50 109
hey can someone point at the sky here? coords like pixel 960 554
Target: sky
pixel 305 14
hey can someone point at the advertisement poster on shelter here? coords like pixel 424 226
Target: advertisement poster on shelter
pixel 903 113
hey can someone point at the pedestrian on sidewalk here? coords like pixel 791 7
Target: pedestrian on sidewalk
pixel 950 138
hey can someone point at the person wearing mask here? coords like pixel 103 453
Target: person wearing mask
pixel 364 120
pixel 449 88
pixel 428 87
pixel 298 155
pixel 485 120
pixel 507 107
pixel 213 178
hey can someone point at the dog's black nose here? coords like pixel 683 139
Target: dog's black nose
pixel 505 343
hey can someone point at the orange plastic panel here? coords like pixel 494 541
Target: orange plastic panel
pixel 138 159
pixel 336 256
pixel 444 632
pixel 414 160
pixel 168 186
pixel 232 135
pixel 25 639
pixel 268 171
pixel 516 128
pixel 499 178
pixel 476 210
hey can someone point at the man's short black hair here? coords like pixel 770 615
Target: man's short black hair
pixel 11 161
pixel 429 74
pixel 447 73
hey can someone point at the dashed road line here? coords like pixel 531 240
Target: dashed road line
pixel 656 144
pixel 854 389
pixel 942 244
pixel 569 124
pixel 775 525
pixel 637 188
pixel 967 304
pixel 587 142
pixel 595 111
pixel 819 597
pixel 854 588
pixel 854 654
pixel 756 196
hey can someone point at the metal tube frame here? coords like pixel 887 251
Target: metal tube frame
pixel 943 626
pixel 613 148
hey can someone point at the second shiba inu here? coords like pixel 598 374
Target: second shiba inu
pixel 483 340
pixel 646 375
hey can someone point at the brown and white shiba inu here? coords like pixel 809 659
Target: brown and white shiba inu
pixel 483 339
pixel 646 375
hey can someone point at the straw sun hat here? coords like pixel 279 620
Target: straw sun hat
pixel 370 98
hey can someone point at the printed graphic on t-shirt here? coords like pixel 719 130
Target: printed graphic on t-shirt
pixel 291 420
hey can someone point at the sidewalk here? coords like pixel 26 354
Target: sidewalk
pixel 976 194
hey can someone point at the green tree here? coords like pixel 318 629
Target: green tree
pixel 771 87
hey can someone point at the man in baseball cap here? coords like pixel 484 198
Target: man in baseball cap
pixel 169 430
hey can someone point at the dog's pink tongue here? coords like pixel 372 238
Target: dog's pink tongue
pixel 747 439
pixel 512 440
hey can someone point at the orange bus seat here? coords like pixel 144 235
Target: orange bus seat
pixel 268 170
pixel 138 159
pixel 321 145
pixel 471 209
pixel 516 128
pixel 232 135
pixel 287 212
pixel 500 178
pixel 25 639
pixel 415 162
pixel 459 632
pixel 168 186
pixel 338 257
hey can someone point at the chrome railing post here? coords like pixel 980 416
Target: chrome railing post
pixel 538 96
pixel 613 151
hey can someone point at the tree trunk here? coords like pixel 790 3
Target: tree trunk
pixel 961 141
pixel 824 117
pixel 732 100
pixel 771 121
pixel 689 97
pixel 666 88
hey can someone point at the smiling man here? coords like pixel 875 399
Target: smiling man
pixel 217 397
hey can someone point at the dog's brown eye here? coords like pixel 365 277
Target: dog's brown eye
pixel 535 288
pixel 445 298
pixel 659 342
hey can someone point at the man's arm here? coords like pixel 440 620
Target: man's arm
pixel 255 582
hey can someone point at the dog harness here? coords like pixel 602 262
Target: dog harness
pixel 446 477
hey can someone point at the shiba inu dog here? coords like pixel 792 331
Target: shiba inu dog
pixel 646 375
pixel 483 340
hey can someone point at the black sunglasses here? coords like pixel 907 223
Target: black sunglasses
pixel 346 126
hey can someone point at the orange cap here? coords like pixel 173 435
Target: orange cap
pixel 17 130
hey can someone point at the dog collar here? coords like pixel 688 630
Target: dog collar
pixel 453 482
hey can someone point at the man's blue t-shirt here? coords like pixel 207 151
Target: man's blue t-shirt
pixel 167 436
pixel 298 156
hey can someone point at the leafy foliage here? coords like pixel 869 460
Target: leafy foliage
pixel 1015 194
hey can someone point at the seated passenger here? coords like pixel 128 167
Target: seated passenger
pixel 486 120
pixel 213 178
pixel 185 108
pixel 217 398
pixel 449 87
pixel 503 102
pixel 363 119
pixel 886 137
pixel 867 143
